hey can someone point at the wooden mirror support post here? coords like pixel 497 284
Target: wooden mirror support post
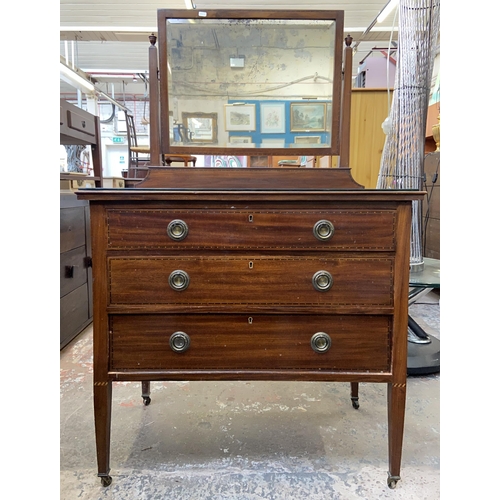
pixel 345 129
pixel 154 115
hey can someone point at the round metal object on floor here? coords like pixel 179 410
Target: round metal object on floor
pixel 424 359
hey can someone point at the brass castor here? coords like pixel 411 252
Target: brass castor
pixel 106 480
pixel 392 481
pixel 355 403
pixel 146 400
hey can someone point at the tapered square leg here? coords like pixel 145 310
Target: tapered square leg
pixel 146 392
pixel 396 402
pixel 102 420
pixel 354 395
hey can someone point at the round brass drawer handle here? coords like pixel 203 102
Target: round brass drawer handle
pixel 179 342
pixel 177 230
pixel 178 280
pixel 322 281
pixel 321 342
pixel 323 230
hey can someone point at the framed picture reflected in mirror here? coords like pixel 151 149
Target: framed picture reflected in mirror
pixel 239 117
pixel 307 117
pixel 200 127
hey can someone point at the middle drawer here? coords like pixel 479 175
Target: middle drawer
pixel 238 280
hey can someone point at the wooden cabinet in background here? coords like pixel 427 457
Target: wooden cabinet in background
pixel 432 120
pixel 75 268
pixel 78 127
pixel 369 109
pixel 431 207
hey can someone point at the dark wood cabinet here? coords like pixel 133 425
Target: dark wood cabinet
pixel 75 268
pixel 77 126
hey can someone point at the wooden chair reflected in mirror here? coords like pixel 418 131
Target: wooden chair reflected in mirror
pixel 138 156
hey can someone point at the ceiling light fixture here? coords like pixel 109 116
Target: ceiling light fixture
pixel 237 61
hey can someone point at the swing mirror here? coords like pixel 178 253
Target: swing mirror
pixel 250 80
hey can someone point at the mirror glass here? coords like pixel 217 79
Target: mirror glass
pixel 250 84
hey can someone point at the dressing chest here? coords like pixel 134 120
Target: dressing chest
pixel 227 283
pixel 258 273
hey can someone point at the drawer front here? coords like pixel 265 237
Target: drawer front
pixel 73 272
pixel 72 224
pixel 246 280
pixel 80 123
pixel 353 230
pixel 217 342
pixel 74 313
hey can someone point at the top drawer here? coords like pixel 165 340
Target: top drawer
pixel 251 229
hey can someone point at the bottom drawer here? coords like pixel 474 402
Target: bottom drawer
pixel 74 313
pixel 236 341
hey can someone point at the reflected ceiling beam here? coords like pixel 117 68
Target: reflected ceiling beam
pixel 381 16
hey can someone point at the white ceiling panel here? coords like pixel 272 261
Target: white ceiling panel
pixel 112 35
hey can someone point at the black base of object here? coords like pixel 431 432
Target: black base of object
pixel 424 359
pixel 424 354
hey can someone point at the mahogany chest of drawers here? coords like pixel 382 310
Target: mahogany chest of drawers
pixel 249 283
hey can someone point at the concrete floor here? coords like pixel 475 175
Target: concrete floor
pixel 248 440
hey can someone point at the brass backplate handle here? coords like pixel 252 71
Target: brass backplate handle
pixel 321 342
pixel 179 342
pixel 322 281
pixel 177 230
pixel 323 230
pixel 178 280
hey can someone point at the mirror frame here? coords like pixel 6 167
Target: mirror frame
pixel 334 118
